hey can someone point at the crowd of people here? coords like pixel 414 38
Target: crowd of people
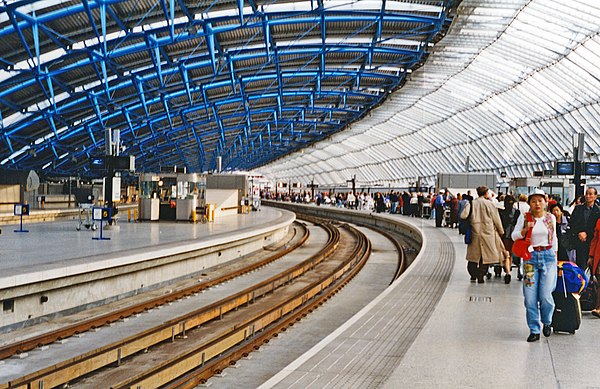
pixel 555 233
pixel 415 204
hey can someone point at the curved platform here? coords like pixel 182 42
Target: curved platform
pixel 434 328
pixel 54 268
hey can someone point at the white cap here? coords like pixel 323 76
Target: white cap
pixel 536 192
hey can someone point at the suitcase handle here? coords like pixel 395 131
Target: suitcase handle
pixel 564 286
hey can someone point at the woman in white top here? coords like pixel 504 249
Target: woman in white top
pixel 540 271
pixel 522 205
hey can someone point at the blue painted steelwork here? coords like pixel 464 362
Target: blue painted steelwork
pixel 247 80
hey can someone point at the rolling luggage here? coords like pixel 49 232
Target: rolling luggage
pixel 567 312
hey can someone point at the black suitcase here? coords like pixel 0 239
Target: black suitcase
pixel 567 312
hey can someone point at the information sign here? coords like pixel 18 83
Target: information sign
pixel 21 209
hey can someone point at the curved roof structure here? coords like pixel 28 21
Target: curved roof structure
pixel 185 81
pixel 505 90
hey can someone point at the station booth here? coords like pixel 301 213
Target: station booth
pixel 171 196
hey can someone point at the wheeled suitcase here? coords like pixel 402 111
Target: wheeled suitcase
pixel 567 312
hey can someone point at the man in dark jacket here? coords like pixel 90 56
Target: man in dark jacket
pixel 583 221
pixel 439 208
pixel 405 203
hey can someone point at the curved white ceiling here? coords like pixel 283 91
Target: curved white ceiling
pixel 506 89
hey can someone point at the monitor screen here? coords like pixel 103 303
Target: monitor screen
pixel 97 163
pixel 565 168
pixel 591 169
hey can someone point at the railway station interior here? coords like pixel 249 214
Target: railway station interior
pixel 244 194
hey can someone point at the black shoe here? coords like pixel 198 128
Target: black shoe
pixel 507 278
pixel 473 279
pixel 480 280
pixel 546 330
pixel 533 337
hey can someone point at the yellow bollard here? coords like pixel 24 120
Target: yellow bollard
pixel 210 212
pixel 194 216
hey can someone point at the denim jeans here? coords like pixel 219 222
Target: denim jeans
pixel 538 284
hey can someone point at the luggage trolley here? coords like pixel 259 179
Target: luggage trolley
pixel 88 222
pixel 426 213
pixel 447 217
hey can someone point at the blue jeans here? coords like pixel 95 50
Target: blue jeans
pixel 538 284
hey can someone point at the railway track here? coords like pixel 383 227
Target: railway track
pixel 231 328
pixel 73 368
pixel 124 312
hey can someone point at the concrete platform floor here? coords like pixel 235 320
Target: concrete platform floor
pixel 481 343
pixel 59 243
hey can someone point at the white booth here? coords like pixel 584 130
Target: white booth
pixel 191 193
pixel 149 200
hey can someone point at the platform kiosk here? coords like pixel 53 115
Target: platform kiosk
pixel 149 197
pixel 191 194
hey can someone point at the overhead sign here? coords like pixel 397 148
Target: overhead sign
pixel 97 164
pixel 591 168
pixel 564 168
pixel 123 162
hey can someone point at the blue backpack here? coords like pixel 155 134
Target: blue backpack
pixel 570 277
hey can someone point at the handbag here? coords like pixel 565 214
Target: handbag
pixel 589 295
pixel 467 225
pixel 520 247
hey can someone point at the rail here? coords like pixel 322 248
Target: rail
pixel 66 371
pixel 80 327
pixel 195 366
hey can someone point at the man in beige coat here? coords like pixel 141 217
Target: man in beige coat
pixel 486 246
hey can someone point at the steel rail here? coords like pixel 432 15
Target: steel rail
pixel 119 314
pixel 68 370
pixel 195 366
pixel 401 254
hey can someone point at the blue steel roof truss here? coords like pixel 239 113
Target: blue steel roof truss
pixel 243 80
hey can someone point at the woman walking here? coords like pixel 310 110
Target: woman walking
pixel 540 270
pixel 486 247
